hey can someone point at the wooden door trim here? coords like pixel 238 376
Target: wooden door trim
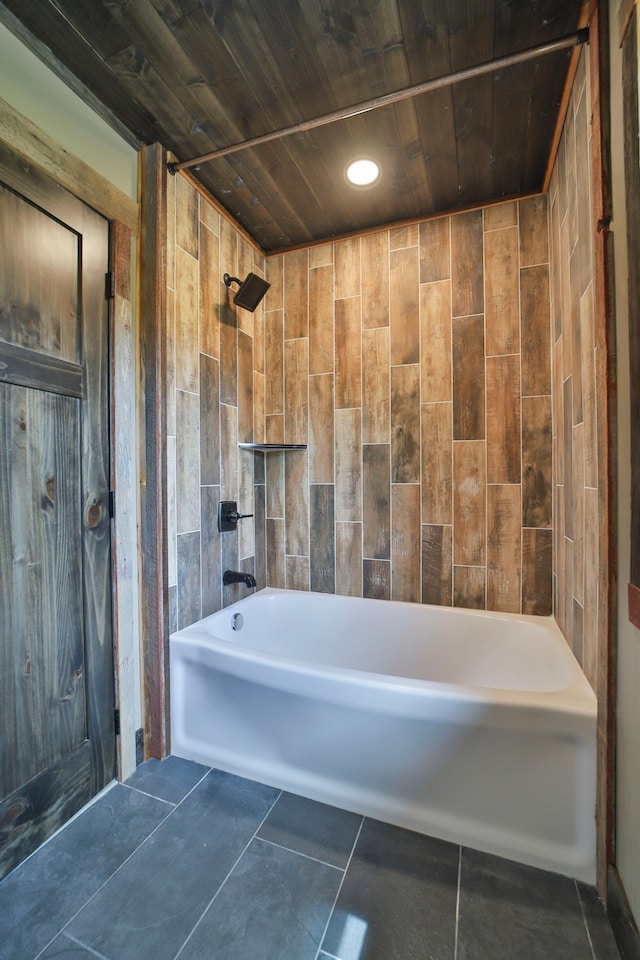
pixel 153 444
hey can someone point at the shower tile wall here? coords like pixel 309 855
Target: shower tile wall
pixel 416 364
pixel 215 398
pixel 578 595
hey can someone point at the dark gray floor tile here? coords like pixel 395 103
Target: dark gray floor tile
pixel 148 909
pixel 398 899
pixel 65 948
pixel 314 829
pixel 169 779
pixel 274 906
pixel 602 938
pixel 42 895
pixel 510 910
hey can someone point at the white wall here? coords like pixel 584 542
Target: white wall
pixel 34 91
pixel 628 707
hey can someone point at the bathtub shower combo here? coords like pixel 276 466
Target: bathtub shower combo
pixel 475 727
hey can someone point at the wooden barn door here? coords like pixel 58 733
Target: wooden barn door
pixel 57 740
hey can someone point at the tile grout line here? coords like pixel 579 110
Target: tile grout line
pixel 85 946
pixel 230 871
pixel 306 856
pixel 335 900
pixel 126 860
pixel 151 795
pixel 584 920
pixel 455 937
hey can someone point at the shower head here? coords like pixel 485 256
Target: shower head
pixel 252 290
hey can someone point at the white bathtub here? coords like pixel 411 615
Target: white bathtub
pixel 475 727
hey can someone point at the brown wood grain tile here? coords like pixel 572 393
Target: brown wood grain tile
pixel 535 331
pixel 405 424
pixel 347 267
pixel 503 419
pixel 229 478
pixel 348 363
pixel 589 388
pixel 258 408
pixel 246 527
pixel 376 485
pixel 567 401
pixel 245 266
pixel 228 351
pixel 297 573
pixel 171 362
pixel 504 543
pixel 375 280
pixel 296 391
pixel 468 378
pixel 376 579
pixel 583 173
pixel 210 551
pixel 536 462
pixel 568 589
pixel 349 559
pixel 435 253
pixel 405 236
pixel 274 428
pixel 321 320
pixel 274 362
pixel 534 244
pixel 261 530
pixel 404 315
pixel 320 255
pixel 171 233
pixel 209 420
pixel 322 546
pixel 578 512
pixel 437 564
pixel 437 463
pixel 501 215
pixel 467 280
pixel 296 503
pixel 536 571
pixel 469 503
pixel 172 525
pixel 230 561
pixel 186 321
pixel 275 553
pixel 502 291
pixel 435 312
pixel 577 632
pixel 348 465
pixel 258 339
pixel 376 385
pixel 296 295
pixel 229 256
pixel 189 595
pixel 245 388
pixel 209 216
pixel 275 484
pixel 576 339
pixel 591 554
pixel 187 216
pixel 187 461
pixel 406 581
pixel 274 297
pixel 321 439
pixel 469 587
pixel 209 290
pixel 558 425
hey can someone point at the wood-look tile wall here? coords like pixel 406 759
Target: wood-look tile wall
pixel 575 388
pixel 416 364
pixel 215 398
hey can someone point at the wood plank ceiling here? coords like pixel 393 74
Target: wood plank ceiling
pixel 197 75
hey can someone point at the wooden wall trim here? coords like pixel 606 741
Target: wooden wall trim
pixel 606 425
pixel 633 594
pixel 31 143
pixel 123 483
pixel 154 601
pixel 621 917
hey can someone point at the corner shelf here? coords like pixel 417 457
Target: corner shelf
pixel 267 447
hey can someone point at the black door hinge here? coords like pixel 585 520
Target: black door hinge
pixel 112 504
pixel 116 722
pixel 109 285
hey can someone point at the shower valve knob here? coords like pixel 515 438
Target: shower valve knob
pixel 228 515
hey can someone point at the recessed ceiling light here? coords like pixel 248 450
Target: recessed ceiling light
pixel 363 172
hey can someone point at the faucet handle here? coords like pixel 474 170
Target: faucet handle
pixel 233 516
pixel 228 515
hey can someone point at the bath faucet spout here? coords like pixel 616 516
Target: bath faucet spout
pixel 235 576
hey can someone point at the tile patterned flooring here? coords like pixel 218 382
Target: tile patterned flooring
pixel 194 864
